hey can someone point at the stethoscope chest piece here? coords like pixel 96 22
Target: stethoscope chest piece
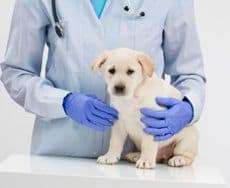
pixel 59 29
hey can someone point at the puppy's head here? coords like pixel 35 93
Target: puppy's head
pixel 123 70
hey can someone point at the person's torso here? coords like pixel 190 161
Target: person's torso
pixel 70 59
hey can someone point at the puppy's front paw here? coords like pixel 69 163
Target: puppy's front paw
pixel 179 161
pixel 145 163
pixel 107 159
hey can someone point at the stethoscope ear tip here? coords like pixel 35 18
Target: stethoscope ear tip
pixel 126 8
pixel 142 14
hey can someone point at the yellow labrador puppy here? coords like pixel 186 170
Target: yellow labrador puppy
pixel 133 84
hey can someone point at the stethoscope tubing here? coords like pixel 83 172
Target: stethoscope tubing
pixel 58 25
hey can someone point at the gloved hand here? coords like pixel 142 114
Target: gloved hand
pixel 88 110
pixel 163 124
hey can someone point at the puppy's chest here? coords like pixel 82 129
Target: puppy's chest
pixel 129 112
pixel 128 109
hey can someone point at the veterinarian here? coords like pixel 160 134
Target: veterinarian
pixel 73 115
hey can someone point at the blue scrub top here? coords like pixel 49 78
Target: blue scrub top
pixel 167 33
pixel 98 6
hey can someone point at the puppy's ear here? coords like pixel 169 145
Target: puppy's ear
pixel 146 63
pixel 99 61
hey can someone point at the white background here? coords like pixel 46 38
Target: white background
pixel 213 21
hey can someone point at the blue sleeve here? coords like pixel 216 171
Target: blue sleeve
pixel 21 67
pixel 183 58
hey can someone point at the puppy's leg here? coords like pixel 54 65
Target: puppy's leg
pixel 117 141
pixel 186 149
pixel 148 153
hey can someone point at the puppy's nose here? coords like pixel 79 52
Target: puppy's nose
pixel 119 88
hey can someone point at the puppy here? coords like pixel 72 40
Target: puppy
pixel 133 84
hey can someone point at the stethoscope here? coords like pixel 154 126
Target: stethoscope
pixel 128 8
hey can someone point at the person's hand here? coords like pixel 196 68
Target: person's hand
pixel 88 110
pixel 163 124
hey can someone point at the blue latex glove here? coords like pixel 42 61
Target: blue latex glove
pixel 163 124
pixel 88 110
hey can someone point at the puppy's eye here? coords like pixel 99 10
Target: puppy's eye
pixel 130 71
pixel 112 71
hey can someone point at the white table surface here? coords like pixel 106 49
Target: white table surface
pixel 22 171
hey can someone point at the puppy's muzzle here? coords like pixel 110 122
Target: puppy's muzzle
pixel 119 89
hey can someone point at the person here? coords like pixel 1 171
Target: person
pixel 73 115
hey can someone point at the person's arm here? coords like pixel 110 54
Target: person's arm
pixel 183 62
pixel 22 64
pixel 183 58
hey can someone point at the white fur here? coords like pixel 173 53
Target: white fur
pixel 143 95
